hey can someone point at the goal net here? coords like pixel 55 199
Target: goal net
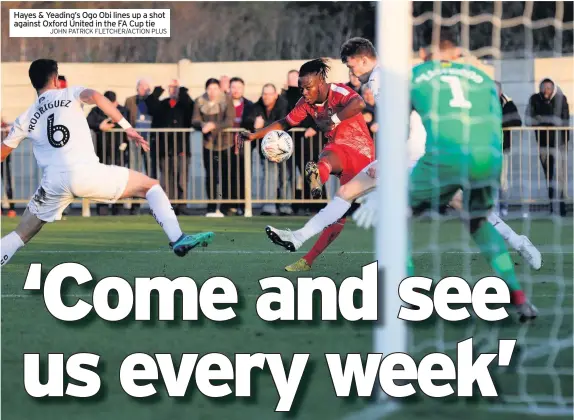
pixel 518 44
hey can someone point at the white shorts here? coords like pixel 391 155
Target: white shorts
pixel 97 182
pixel 366 168
pixel 412 164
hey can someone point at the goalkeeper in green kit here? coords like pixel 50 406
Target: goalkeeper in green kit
pixel 462 164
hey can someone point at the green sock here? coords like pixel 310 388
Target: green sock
pixel 410 266
pixel 493 247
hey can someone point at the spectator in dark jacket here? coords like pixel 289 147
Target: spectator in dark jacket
pixel 269 108
pixel 244 118
pixel 214 112
pixel 510 118
pixel 110 147
pixel 549 108
pixel 172 112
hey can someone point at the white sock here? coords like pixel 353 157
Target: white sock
pixel 332 212
pixel 505 231
pixel 163 213
pixel 10 244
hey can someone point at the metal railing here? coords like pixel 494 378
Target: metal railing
pixel 196 172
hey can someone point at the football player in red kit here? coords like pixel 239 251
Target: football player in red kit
pixel 337 112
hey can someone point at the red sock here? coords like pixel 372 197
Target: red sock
pixel 328 235
pixel 517 297
pixel 324 170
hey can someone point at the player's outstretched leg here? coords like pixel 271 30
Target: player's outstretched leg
pixel 28 227
pixel 325 239
pixel 493 247
pixel 520 243
pixel 142 186
pixel 329 215
pixel 317 174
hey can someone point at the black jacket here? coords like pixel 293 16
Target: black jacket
pixel 248 117
pixel 107 150
pixel 164 116
pixel 292 95
pixel 510 118
pixel 552 112
pixel 278 112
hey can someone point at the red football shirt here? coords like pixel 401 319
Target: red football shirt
pixel 352 132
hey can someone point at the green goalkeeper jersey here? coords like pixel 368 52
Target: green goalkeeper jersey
pixel 460 110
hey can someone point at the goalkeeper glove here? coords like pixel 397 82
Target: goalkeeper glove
pixel 365 216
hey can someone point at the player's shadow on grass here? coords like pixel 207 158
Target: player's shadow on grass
pixel 100 396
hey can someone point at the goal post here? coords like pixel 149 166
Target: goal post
pixel 394 48
pixel 539 380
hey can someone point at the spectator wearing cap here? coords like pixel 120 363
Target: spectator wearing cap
pixel 213 113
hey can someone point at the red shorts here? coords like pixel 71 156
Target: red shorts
pixel 351 160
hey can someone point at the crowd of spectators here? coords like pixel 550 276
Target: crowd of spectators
pixel 223 106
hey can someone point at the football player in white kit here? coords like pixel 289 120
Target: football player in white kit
pixel 63 148
pixel 356 53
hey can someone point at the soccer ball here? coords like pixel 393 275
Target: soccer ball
pixel 277 146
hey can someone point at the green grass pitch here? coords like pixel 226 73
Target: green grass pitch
pixel 134 246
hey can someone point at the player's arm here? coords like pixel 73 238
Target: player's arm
pixel 259 134
pixel 352 104
pixel 293 119
pixel 6 150
pixel 92 97
pixel 16 135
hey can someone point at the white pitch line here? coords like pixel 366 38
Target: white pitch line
pixel 256 252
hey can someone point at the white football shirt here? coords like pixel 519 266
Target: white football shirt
pixel 58 129
pixel 374 82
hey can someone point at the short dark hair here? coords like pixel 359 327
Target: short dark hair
pixel 271 85
pixel 448 36
pixel 211 81
pixel 236 79
pixel 110 95
pixel 41 71
pixel 318 66
pixel 356 47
